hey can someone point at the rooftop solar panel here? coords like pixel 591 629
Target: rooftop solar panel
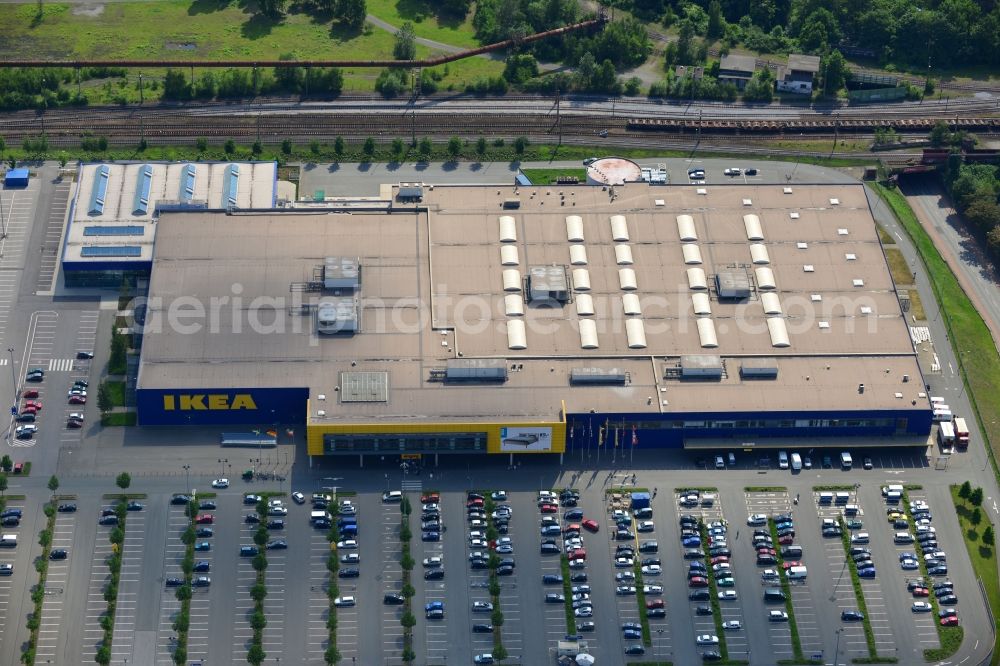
pixel 131 230
pixel 141 202
pixel 111 251
pixel 187 183
pixel 231 185
pixel 100 191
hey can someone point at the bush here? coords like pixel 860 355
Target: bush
pixel 201 144
pixel 229 147
pixel 520 143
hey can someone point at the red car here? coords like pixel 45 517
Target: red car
pixel 766 551
pixel 474 502
pixel 578 554
pixel 655 603
pixel 77 400
pixel 33 404
pixel 921 592
pixel 572 527
pixel 789 564
pixel 18 468
pixel 430 498
pixel 549 508
pixel 786 540
pixel 30 393
pixel 28 410
pixel 204 519
pixel 721 559
pixel 590 524
pixel 698 581
pixel 949 621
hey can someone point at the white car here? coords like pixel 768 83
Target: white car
pixel 505 549
pixel 652 589
pixel 728 595
pixel 625 576
pixel 652 570
pixel 909 564
pixel 220 483
pixel 584 611
pixel 351 558
pixel 277 511
pixel 721 566
pixel 733 171
pixel 707 639
pixel 498 495
pixel 298 498
pixel 342 602
pixel 646 526
pixel 770 575
pixel 24 431
pixel 75 416
pixel 624 563
pixel 777 616
pixel 478 543
pixel 757 519
pixel 433 562
pixel 583 596
pixel 732 625
pixel 347 544
pixel 578 564
pixel 921 607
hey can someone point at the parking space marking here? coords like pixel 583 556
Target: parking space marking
pixel 926 630
pixel 38 348
pixel 56 583
pixel 128 588
pixel 392 579
pixel 48 260
pixel 317 635
pixel 197 647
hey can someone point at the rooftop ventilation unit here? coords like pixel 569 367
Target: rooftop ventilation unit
pixel 516 338
pixel 410 192
pixel 508 229
pixel 626 279
pixel 574 228
pixel 476 370
pixel 765 278
pixel 752 224
pixel 584 305
pixel 758 254
pixel 511 279
pixel 338 316
pixel 732 285
pixel 623 255
pixel 636 333
pixel 508 255
pixel 759 368
pixel 581 279
pixel 685 228
pixel 231 185
pixel 140 203
pixel 619 229
pixel 513 305
pixel 692 254
pixel 588 333
pixel 701 366
pixel 100 190
pixel 549 283
pixel 779 332
pixel 342 273
pixel 591 376
pixel 706 333
pixel 696 278
pixel 578 255
pixel 631 304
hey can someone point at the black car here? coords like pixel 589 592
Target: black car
pixel 321 524
pixel 180 499
pixel 67 508
pixel 570 502
pixel 58 554
pixel 550 549
pixel 251 519
pixel 134 506
pixel 84 355
pixel 248 551
pixel 174 582
pixel 574 514
pixel 204 532
pixel 349 573
pixel 277 544
pixel 482 628
pixel 202 566
pixel 393 599
pixel 635 649
pixel 108 520
pixel 552 579
pixel 430 536
pixel 10 521
pixel 276 524
pixel 711 655
pixel 434 574
pixel 698 595
pixel 505 570
pixel 579 577
pixel 656 612
pixel 478 563
pixel 251 499
pixel 207 505
pixel 703 610
pixel 108 512
pixel 852 616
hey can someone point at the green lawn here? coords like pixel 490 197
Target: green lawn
pixel 983 556
pixel 549 176
pixel 426 23
pixel 969 334
pixel 117 392
pixel 203 29
pixel 119 419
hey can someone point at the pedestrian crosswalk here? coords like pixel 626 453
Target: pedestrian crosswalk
pixel 412 486
pixel 60 364
pixel 4 361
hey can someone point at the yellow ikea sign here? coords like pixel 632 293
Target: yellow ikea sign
pixel 208 402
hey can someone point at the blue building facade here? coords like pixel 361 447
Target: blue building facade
pixel 222 406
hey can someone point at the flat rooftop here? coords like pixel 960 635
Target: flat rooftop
pixel 436 286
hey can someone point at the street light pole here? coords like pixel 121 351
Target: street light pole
pixel 187 476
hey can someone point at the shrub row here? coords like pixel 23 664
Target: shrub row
pixel 182 620
pixel 408 620
pixel 859 594
pixel 38 591
pixel 114 562
pixel 787 589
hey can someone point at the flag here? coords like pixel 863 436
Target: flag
pixel 272 433
pixel 635 436
pixel 616 437
pixel 600 435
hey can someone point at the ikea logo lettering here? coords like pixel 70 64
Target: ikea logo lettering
pixel 208 402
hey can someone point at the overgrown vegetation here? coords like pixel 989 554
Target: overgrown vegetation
pixel 406 562
pixel 499 651
pixel 114 561
pixel 568 594
pixel 974 189
pixel 331 655
pixel 38 590
pixel 859 593
pixel 793 627
pixel 979 535
pixel 713 591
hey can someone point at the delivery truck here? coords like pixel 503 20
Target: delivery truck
pixel 961 432
pixel 946 435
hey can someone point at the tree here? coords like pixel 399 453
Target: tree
pixel 988 536
pixel 338 146
pixel 976 496
pixel 256 655
pixel 3 483
pixel 271 8
pixel 229 147
pixel 454 147
pixel 261 536
pixel 715 20
pixel 352 12
pixel 53 483
pixel 175 85
pixel 976 516
pixel 405 45
pixel 123 481
pixel 397 147
pixel 104 401
pixel 940 133
pixel 201 144
pixel 480 146
pixel 259 563
pixel 520 143
pixel 984 213
pixel 331 656
pixel 408 620
pixel 425 147
pixel 965 490
pixel 6 463
pixel 286 146
pixel 835 71
pixel 369 147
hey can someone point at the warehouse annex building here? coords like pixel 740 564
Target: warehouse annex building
pixel 502 320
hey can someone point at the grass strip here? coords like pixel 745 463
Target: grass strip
pixel 859 593
pixel 970 337
pixel 130 496
pixel 568 594
pixel 183 617
pixel 626 489
pixel 982 553
pixel 765 489
pixel 551 176
pixel 38 591
pixel 698 489
pixel 406 562
pixel 949 637
pixel 841 487
pixel 640 597
pixel 332 654
pixel 793 627
pixel 499 651
pixel 713 591
pixel 258 591
pixel 114 562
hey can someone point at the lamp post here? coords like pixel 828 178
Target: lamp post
pixel 13 383
pixel 222 466
pixel 187 476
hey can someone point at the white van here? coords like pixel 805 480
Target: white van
pixel 843 498
pixel 392 496
pixel 8 540
pixel 708 499
pixel 797 573
pixel 782 460
pixel 846 462
pixel 852 510
pixel 936 400
pixel 892 488
pixel 826 498
pixel 893 497
pixel 796 462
